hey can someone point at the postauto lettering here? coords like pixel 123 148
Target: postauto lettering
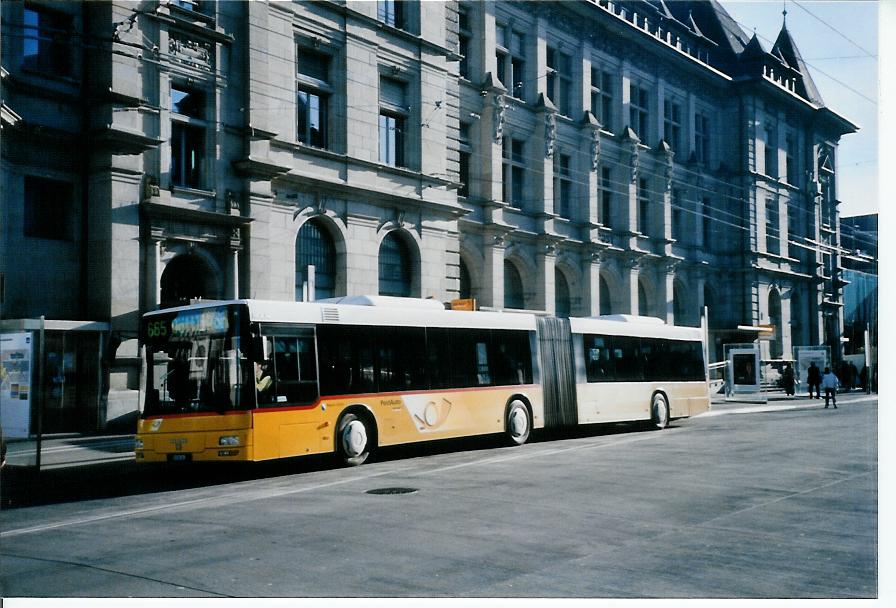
pixel 191 323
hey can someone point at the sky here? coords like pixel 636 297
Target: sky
pixel 838 40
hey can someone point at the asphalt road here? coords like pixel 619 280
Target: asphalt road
pixel 756 505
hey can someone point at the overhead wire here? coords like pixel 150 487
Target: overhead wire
pixel 736 219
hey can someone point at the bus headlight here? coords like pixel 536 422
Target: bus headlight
pixel 229 440
pixel 138 444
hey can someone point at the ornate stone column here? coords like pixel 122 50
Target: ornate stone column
pixel 591 150
pixel 494 245
pixel 591 282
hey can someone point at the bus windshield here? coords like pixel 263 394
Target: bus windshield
pixel 195 363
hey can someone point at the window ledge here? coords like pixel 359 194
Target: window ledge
pixel 182 190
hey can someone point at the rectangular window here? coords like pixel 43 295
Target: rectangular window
pixel 47 39
pixel 511 357
pixel 771 152
pixel 312 98
pixel 638 111
pixel 672 125
pixel 48 205
pixel 792 172
pixel 466 151
pixel 772 226
pixel 464 36
pixel 511 62
pixel 706 223
pixel 188 133
pixel 189 5
pixel 606 193
pixel 643 206
pixel 701 138
pixel 393 122
pixel 559 79
pixel 612 359
pixel 602 97
pixel 563 186
pixel 514 168
pixel 677 215
pixel 392 12
pixel 291 367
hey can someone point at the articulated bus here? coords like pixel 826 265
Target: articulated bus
pixel 251 380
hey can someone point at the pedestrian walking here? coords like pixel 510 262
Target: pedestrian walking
pixel 866 381
pixel 813 377
pixel 787 379
pixel 853 376
pixel 830 383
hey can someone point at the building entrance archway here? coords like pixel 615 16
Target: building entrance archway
pixel 187 277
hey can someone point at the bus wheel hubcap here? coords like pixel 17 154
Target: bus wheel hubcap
pixel 354 438
pixel 518 422
pixel 661 413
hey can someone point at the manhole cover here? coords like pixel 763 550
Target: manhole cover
pixel 392 491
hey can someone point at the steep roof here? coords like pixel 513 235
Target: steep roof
pixel 786 48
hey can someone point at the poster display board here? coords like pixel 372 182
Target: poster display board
pixel 804 357
pixel 16 385
pixel 742 373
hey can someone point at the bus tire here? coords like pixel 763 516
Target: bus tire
pixel 354 439
pixel 517 423
pixel 659 412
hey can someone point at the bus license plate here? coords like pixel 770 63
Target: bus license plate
pixel 179 457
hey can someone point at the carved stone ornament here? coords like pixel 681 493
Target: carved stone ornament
pixel 550 134
pixel 231 200
pixel 634 159
pixel 668 155
pixel 500 110
pixel 190 52
pixel 595 149
pixel 150 187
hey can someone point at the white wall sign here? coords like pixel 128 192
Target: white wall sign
pixel 16 387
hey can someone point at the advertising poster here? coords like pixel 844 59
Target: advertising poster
pixel 15 383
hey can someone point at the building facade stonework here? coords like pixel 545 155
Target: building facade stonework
pixel 578 158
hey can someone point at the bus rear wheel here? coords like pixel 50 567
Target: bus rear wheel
pixel 353 442
pixel 518 423
pixel 659 412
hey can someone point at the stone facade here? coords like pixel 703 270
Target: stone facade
pixel 607 157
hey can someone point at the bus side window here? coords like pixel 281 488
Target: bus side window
pixel 596 358
pixel 512 360
pixel 295 370
pixel 401 359
pixel 438 357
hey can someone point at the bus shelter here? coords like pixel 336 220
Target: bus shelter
pixel 51 382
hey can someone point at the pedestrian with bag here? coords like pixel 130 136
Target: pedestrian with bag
pixel 829 383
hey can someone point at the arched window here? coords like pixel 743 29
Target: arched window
pixel 776 346
pixel 513 287
pixel 395 267
pixel 606 306
pixel 643 308
pixel 561 296
pixel 314 247
pixel 466 288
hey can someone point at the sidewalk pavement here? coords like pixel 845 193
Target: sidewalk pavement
pixel 72 450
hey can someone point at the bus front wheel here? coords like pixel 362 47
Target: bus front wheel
pixel 354 440
pixel 518 424
pixel 659 412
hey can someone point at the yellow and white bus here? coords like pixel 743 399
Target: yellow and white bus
pixel 251 380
